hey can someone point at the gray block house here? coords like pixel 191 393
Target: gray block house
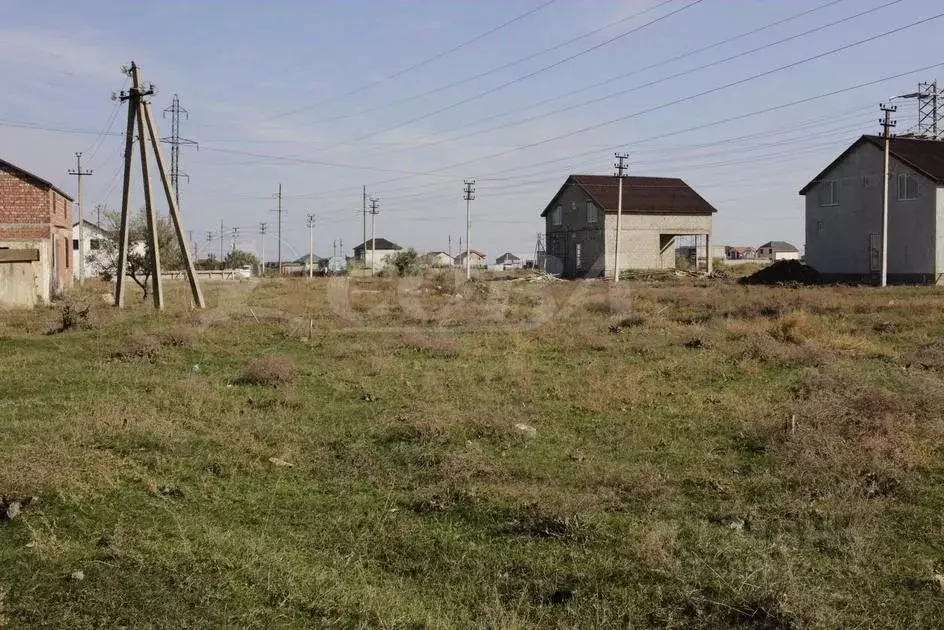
pixel 844 212
pixel 580 223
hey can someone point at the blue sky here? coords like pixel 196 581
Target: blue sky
pixel 324 97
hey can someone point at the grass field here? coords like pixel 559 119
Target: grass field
pixel 381 453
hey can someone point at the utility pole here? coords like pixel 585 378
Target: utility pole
pixel 311 245
pixel 450 245
pixel 373 241
pixel 235 236
pixel 79 174
pixel 468 193
pixel 364 213
pixel 139 109
pixel 174 140
pixel 262 232
pixel 887 124
pixel 222 266
pixel 278 196
pixel 620 169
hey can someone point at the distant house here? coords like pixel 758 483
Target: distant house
pixel 376 252
pixel 98 256
pixel 36 257
pixel 738 252
pixel 777 250
pixel 438 259
pixel 476 257
pixel 580 223
pixel 844 212
pixel 509 261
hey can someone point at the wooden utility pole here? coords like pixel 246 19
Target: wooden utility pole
pixel 311 245
pixel 79 174
pixel 139 110
pixel 468 193
pixel 887 124
pixel 620 169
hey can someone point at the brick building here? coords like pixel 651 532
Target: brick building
pixel 36 257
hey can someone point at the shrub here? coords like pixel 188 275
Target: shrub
pixel 270 371
pixel 73 316
pixel 138 345
pixel 180 337
pixel 406 262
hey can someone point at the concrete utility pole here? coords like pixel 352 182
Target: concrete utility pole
pixel 620 169
pixel 278 196
pixel 311 245
pixel 364 213
pixel 79 174
pixel 450 245
pixel 887 124
pixel 468 193
pixel 373 241
pixel 139 108
pixel 222 266
pixel 235 237
pixel 262 232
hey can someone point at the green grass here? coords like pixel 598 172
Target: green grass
pixel 664 486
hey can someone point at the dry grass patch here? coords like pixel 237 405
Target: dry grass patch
pixel 181 337
pixel 138 346
pixel 269 371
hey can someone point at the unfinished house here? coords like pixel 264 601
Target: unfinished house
pixel 580 223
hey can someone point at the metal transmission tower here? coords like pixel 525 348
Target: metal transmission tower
pixel 468 193
pixel 930 117
pixel 139 111
pixel 174 140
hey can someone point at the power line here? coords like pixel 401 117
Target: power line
pixel 523 77
pixel 661 79
pixel 419 64
pixel 496 69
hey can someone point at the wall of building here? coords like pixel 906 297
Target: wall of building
pixel 575 231
pixel 838 237
pixel 647 241
pixel 29 211
pixel 26 284
pixel 97 257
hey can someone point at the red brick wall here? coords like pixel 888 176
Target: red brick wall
pixel 31 210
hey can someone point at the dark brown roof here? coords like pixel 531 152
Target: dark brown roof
pixel 378 244
pixel 641 195
pixel 923 155
pixel 779 246
pixel 27 175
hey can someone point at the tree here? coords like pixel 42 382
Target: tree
pixel 140 266
pixel 237 258
pixel 210 263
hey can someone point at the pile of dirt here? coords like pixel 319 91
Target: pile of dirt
pixel 784 272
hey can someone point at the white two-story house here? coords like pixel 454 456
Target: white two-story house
pixel 844 212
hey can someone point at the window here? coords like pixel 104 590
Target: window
pixel 819 227
pixel 578 257
pixel 591 212
pixel 75 243
pixel 556 215
pixel 907 187
pixel 573 205
pixel 875 252
pixel 829 193
pixel 65 246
